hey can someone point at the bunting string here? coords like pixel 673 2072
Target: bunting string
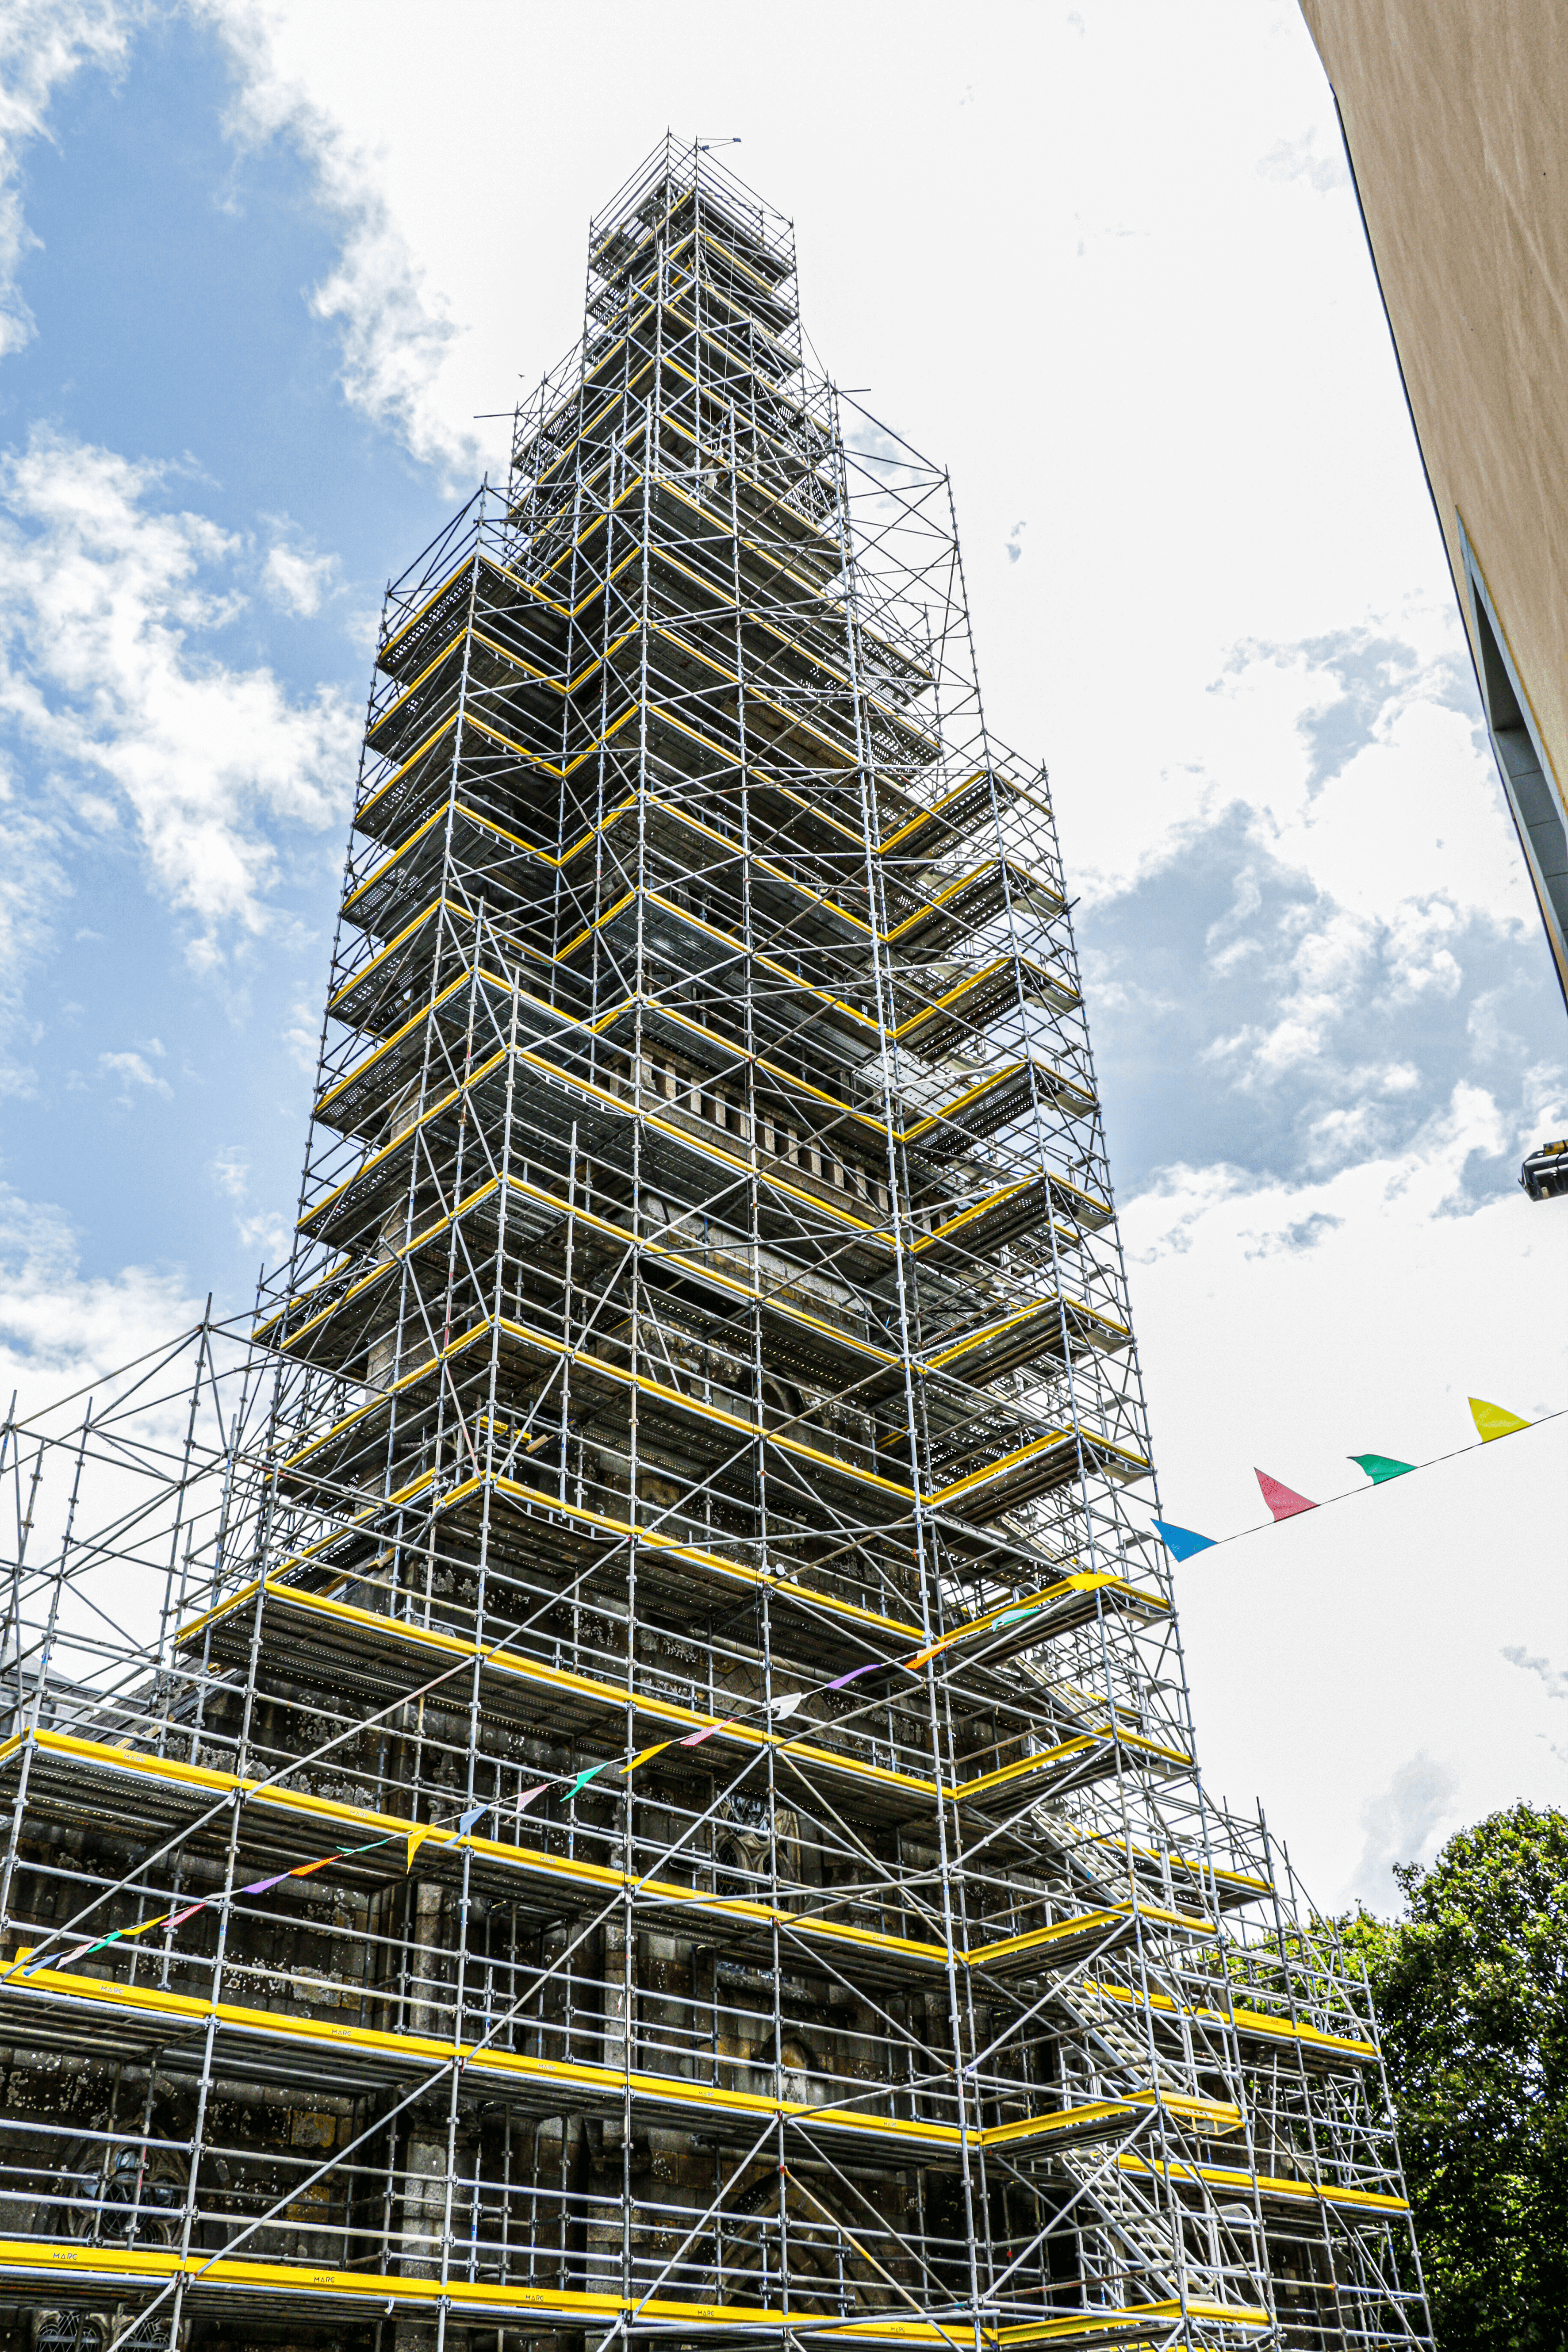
pixel 570 1784
pixel 172 1919
pixel 1492 1422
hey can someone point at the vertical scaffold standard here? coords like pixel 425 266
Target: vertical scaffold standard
pixel 620 1766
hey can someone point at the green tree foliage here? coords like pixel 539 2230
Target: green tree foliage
pixel 1472 1995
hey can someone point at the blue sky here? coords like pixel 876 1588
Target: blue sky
pixel 263 276
pixel 202 526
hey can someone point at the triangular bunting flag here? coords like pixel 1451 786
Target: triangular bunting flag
pixel 416 1840
pixel 1283 1501
pixel 1379 1466
pixel 696 1738
pixel 62 1960
pixel 1182 1543
pixel 466 1821
pixel 1494 1420
pixel 854 1676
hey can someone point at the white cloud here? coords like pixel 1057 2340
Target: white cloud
pixel 103 601
pixel 59 1327
pixel 1322 168
pixel 1313 746
pixel 119 1343
pixel 296 580
pixel 42 44
pixel 396 333
pixel 1342 799
pixel 1407 1192
pixel 304 1035
pixel 1404 1823
pixel 1555 1680
pixel 133 1069
pixel 33 883
pixel 1338 957
pixel 265 1229
pixel 231 1171
pixel 1286 1326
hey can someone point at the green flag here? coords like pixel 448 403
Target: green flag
pixel 1379 1466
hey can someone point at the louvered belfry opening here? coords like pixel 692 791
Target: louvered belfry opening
pixel 643 1784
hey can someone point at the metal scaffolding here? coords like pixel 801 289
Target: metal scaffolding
pixel 620 1764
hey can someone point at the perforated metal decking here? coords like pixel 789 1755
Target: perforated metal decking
pixel 676 1552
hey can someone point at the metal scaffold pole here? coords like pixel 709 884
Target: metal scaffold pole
pixel 617 1762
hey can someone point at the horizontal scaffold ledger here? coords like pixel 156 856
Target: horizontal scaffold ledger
pixel 618 1764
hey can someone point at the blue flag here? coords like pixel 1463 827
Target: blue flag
pixel 1181 1542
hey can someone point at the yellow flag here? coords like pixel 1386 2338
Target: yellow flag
pixel 416 1840
pixel 1494 1420
pixel 643 1754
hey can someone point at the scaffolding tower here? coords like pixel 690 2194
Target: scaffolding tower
pixel 619 1766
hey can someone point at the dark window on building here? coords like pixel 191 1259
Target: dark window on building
pixel 1530 796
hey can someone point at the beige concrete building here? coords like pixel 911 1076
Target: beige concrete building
pixel 1455 119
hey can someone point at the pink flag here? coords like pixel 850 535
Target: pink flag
pixel 1283 1501
pixel 59 1960
pixel 696 1738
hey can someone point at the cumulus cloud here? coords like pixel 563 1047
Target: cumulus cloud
pixel 125 1344
pixel 1248 1015
pixel 264 1229
pixel 1307 924
pixel 1320 166
pixel 294 578
pixel 1552 1678
pixel 43 43
pixel 105 599
pixel 1325 960
pixel 1404 1822
pixel 231 1171
pixel 1313 741
pixel 395 334
pixel 59 1326
pixel 1366 707
pixel 302 1034
pixel 1319 950
pixel 33 886
pixel 1227 1208
pixel 134 1069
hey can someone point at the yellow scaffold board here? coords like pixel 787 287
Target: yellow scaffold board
pixel 323 2049
pixel 80 2274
